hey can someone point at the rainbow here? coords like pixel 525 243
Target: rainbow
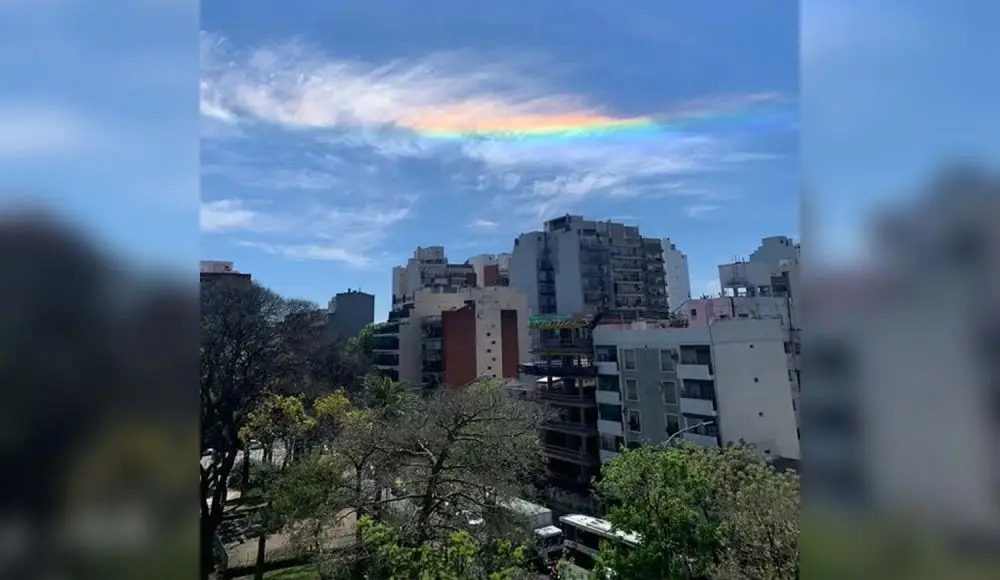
pixel 442 126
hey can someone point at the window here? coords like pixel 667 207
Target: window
pixel 669 392
pixel 666 361
pixel 631 390
pixel 694 313
pixel 628 358
pixel 634 421
pixel 673 423
pixel 607 412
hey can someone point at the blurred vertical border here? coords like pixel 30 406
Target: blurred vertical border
pixel 900 151
pixel 99 175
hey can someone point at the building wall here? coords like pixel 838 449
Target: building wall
pixel 484 336
pixel 675 263
pixel 489 276
pixel 352 311
pixel 758 411
pixel 524 267
pixel 754 391
pixel 459 345
pixel 566 259
pixel 510 337
pixel 484 261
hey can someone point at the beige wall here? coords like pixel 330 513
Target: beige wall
pixel 489 303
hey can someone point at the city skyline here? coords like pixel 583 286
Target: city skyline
pixel 327 158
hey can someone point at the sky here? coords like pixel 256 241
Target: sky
pixel 336 137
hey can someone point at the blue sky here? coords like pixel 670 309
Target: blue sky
pixel 103 121
pixel 318 175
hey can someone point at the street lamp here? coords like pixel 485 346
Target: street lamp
pixel 686 429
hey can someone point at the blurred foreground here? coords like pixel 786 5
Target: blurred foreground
pixel 900 399
pixel 98 413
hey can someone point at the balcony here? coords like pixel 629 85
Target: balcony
pixel 607 368
pixel 703 440
pixel 571 428
pixel 541 369
pixel 579 456
pixel 610 398
pixel 610 427
pixel 694 406
pixel 693 371
pixel 607 456
pixel 555 395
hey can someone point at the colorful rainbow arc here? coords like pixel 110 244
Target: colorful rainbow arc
pixel 593 127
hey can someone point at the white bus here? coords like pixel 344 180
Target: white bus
pixel 582 536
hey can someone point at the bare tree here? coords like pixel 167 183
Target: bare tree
pixel 462 449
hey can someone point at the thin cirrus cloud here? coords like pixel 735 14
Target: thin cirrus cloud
pixel 312 233
pixel 444 104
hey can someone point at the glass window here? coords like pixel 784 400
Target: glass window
pixel 669 392
pixel 666 361
pixel 628 358
pixel 634 421
pixel 631 390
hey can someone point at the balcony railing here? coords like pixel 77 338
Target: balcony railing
pixel 574 455
pixel 583 398
pixel 571 427
pixel 556 370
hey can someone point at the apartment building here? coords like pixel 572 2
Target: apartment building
pixel 212 270
pixel 723 382
pixel 349 312
pixel 491 269
pixel 429 268
pixel 563 378
pixel 586 267
pixel 771 270
pixel 678 275
pixel 451 337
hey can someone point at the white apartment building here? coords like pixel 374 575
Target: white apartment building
pixel 454 337
pixel 771 270
pixel 579 266
pixel 675 265
pixel 429 268
pixel 727 380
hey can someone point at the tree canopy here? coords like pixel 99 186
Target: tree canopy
pixel 702 512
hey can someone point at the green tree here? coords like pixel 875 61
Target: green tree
pixel 701 512
pixel 389 397
pixel 277 419
pixel 247 333
pixel 456 556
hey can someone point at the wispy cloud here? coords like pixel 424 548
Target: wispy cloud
pixel 483 225
pixel 316 252
pixel 701 210
pixel 225 215
pixel 344 234
pixel 448 104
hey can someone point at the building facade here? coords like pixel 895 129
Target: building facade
pixel 563 378
pixel 491 269
pixel 678 275
pixel 429 268
pixel 727 381
pixel 349 312
pixel 452 338
pixel 212 270
pixel 584 267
